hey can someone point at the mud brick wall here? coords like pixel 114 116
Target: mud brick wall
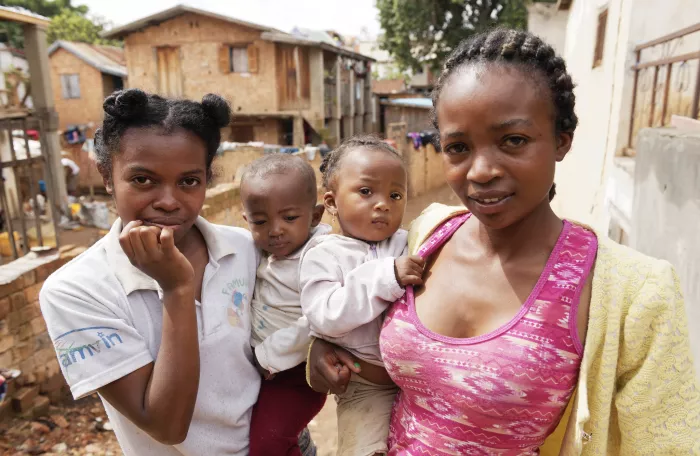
pixel 24 340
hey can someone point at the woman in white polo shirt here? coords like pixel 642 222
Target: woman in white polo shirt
pixel 155 316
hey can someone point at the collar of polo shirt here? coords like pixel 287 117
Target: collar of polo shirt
pixel 132 279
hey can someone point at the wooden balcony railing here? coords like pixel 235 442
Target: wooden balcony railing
pixel 666 80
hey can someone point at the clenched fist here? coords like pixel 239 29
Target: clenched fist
pixel 409 270
pixel 153 251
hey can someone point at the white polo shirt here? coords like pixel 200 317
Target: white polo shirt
pixel 105 319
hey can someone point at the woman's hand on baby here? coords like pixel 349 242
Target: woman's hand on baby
pixel 409 270
pixel 152 250
pixel 330 367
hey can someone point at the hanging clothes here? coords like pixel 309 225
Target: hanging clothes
pixel 428 137
pixel 415 137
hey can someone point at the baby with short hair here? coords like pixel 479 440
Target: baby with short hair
pixel 348 280
pixel 278 193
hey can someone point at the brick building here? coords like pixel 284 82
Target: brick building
pixel 283 89
pixel 82 75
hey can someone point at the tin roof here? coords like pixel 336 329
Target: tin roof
pixel 23 15
pixel 178 10
pixel 425 103
pixel 107 59
pixel 268 33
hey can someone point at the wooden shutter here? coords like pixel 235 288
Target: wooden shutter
pixel 225 58
pixel 65 86
pixel 253 60
pixel 599 50
pixel 75 86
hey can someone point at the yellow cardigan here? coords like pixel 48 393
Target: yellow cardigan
pixel 637 392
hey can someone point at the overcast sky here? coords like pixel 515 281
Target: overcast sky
pixel 344 16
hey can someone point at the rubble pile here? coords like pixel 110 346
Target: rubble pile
pixel 71 428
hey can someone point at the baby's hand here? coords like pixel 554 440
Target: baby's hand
pixel 264 373
pixel 409 270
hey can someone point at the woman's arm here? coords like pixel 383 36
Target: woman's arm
pixel 160 397
pixel 328 367
pixel 658 398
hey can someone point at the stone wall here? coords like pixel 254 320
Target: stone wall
pixel 24 341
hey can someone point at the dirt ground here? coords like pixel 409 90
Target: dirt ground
pixel 85 434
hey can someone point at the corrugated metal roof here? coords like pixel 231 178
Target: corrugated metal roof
pixel 387 86
pixel 314 35
pixel 426 103
pixel 155 19
pixel 19 14
pixel 269 34
pixel 107 59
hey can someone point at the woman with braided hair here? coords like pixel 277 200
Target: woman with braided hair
pixel 531 334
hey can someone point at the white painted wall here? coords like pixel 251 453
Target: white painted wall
pixel 547 22
pixel 604 94
pixel 384 65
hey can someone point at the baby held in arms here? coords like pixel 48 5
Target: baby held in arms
pixel 279 203
pixel 349 280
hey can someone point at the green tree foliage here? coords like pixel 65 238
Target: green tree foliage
pixel 72 26
pixel 68 22
pixel 46 8
pixel 419 32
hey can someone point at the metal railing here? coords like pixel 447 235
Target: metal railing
pixel 666 80
pixel 27 169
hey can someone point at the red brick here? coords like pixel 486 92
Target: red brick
pixel 27 365
pixel 6 343
pixel 14 321
pixel 52 367
pixel 18 301
pixel 28 313
pixel 45 270
pixel 53 383
pixel 40 374
pixel 43 356
pixel 42 340
pixel 24 399
pixel 41 406
pixel 7 358
pixel 19 284
pixel 5 307
pixel 32 293
pixel 5 410
pixel 11 388
pixel 38 326
pixel 22 351
pixel 25 332
pixel 56 397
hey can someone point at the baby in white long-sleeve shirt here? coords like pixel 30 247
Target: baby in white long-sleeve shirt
pixel 349 280
pixel 279 203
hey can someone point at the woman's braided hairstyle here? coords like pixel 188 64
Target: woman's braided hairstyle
pixel 518 47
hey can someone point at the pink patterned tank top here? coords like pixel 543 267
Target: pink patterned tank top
pixel 501 393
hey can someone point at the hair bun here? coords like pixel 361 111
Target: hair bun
pixel 126 104
pixel 217 108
